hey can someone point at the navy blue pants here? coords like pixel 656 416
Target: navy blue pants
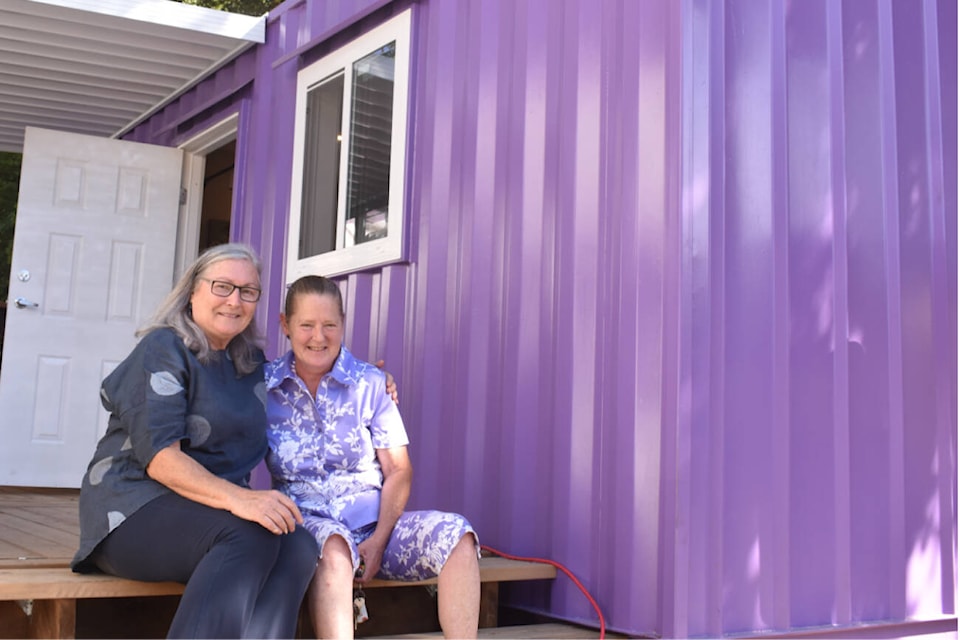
pixel 241 580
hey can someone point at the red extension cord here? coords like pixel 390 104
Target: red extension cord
pixel 603 626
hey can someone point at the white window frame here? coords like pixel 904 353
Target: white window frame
pixel 383 250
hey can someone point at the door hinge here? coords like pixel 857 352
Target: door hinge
pixel 183 196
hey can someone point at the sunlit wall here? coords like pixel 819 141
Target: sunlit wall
pixel 815 441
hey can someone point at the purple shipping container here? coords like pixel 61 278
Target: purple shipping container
pixel 680 304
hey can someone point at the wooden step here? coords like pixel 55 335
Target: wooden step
pixel 492 569
pixel 50 583
pixel 556 630
pixel 54 583
pixel 55 590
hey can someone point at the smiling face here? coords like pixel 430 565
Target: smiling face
pixel 223 319
pixel 315 328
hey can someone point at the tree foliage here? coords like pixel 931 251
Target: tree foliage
pixel 9 186
pixel 246 7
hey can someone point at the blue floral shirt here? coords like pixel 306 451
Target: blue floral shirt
pixel 323 449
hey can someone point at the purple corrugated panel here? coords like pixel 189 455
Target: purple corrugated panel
pixel 680 309
pixel 816 223
pixel 924 329
pixel 513 295
pixel 831 210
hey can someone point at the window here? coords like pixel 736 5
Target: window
pixel 347 191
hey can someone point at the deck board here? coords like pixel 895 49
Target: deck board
pixel 38 527
pixel 20 527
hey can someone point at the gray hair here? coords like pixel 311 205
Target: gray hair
pixel 175 312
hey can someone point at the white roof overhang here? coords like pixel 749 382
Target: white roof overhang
pixel 100 66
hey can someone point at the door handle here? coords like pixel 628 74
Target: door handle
pixel 23 303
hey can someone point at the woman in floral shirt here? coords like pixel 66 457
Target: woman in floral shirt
pixel 338 448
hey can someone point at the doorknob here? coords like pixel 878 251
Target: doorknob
pixel 23 303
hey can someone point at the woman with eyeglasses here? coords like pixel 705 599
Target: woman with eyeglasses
pixel 166 496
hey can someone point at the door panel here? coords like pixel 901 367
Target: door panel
pixel 94 249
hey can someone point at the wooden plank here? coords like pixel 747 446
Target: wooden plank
pixel 489 603
pixel 32 496
pixel 492 569
pixel 13 557
pixel 11 551
pixel 59 583
pixel 27 562
pixel 14 622
pixel 38 527
pixel 25 532
pixel 61 517
pixel 54 619
pixel 496 569
pixel 537 631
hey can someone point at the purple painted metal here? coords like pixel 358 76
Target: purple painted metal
pixel 680 310
pixel 820 204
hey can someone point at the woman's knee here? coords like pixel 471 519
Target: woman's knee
pixel 261 552
pixel 472 542
pixel 336 556
pixel 301 544
pixel 246 543
pixel 298 554
pixel 464 553
pixel 246 533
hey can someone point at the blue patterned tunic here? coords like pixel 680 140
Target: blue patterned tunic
pixel 323 455
pixel 158 395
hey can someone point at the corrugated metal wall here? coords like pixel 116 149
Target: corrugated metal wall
pixel 535 326
pixel 815 459
pixel 681 305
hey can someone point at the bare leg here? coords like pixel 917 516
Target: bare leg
pixel 458 591
pixel 330 596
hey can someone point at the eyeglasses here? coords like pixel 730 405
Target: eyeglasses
pixel 226 289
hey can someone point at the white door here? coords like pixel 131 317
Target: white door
pixel 93 254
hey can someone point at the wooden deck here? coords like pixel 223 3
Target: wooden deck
pixel 38 527
pixel 39 533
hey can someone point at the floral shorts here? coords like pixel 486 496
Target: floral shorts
pixel 419 546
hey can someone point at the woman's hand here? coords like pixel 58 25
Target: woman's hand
pixel 371 555
pixel 272 510
pixel 391 384
pixel 397 476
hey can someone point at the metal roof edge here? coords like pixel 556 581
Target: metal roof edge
pixel 186 87
pixel 174 14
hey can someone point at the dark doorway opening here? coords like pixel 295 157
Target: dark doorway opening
pixel 217 196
